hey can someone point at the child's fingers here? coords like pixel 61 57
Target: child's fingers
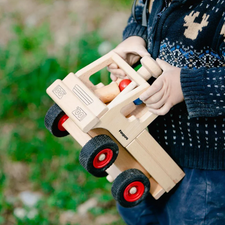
pixel 161 111
pixel 118 73
pixel 154 98
pixel 158 104
pixel 152 90
pixel 113 77
pixel 163 64
pixel 112 66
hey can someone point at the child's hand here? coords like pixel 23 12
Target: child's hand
pixel 166 90
pixel 131 50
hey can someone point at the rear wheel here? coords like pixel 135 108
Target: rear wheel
pixel 98 154
pixel 130 188
pixel 54 119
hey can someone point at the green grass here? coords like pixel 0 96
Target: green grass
pixel 124 4
pixel 26 70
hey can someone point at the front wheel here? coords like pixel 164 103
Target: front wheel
pixel 54 119
pixel 98 154
pixel 130 188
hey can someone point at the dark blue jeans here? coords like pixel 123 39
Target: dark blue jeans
pixel 199 199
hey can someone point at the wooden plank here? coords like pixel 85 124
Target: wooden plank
pixel 155 189
pixel 151 165
pixel 160 156
pixel 80 137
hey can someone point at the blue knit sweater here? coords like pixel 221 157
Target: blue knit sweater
pixel 189 34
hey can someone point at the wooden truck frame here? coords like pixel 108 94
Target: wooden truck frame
pixel 112 130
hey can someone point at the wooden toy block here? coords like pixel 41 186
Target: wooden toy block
pixel 73 107
pixel 92 102
pixel 111 130
pixel 160 156
pixel 163 168
pixel 139 153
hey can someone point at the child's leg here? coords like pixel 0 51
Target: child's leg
pixel 215 197
pixel 199 199
pixel 142 214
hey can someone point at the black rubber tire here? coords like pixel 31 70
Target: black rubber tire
pixel 52 118
pixel 92 148
pixel 123 181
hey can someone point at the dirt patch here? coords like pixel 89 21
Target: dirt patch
pixel 17 174
pixel 68 19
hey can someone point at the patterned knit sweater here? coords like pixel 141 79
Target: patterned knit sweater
pixel 189 34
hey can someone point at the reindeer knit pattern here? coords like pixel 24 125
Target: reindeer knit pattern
pixel 190 34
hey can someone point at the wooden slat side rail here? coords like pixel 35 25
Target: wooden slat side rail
pixel 94 67
pixel 130 72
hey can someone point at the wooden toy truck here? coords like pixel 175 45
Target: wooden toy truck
pixel 112 130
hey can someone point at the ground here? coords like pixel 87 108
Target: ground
pixel 67 20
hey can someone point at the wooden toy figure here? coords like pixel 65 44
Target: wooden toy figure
pixel 110 125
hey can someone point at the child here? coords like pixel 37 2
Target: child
pixel 187 37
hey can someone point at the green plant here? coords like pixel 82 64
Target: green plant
pixel 26 70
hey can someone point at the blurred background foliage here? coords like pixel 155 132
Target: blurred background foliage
pixel 41 180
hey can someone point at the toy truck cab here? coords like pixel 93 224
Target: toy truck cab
pixel 113 136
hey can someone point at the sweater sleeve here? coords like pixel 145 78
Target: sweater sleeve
pixel 134 26
pixel 204 91
pixel 204 88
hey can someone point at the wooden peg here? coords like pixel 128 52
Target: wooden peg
pixel 151 65
pixel 107 93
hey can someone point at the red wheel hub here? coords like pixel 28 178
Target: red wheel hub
pixel 134 191
pixel 61 121
pixel 103 158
